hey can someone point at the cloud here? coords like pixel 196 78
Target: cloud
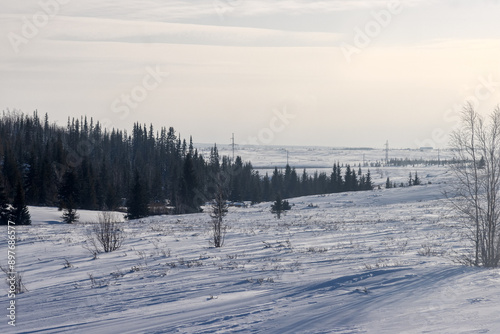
pixel 182 10
pixel 107 30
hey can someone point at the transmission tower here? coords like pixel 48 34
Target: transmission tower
pixel 232 144
pixel 387 152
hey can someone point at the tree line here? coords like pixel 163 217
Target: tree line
pixel 400 162
pixel 85 166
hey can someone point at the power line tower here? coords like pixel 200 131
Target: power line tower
pixel 232 144
pixel 387 152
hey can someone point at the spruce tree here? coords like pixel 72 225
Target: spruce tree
pixel 280 206
pixel 348 185
pixel 416 180
pixel 236 180
pixel 368 181
pixel 305 189
pixel 481 164
pixel 188 202
pixel 5 213
pixel 266 188
pixel 20 213
pixel 287 180
pixel 218 211
pixel 137 203
pixel 339 182
pixel 277 181
pixel 68 197
pixel 333 180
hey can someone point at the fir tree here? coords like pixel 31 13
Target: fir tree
pixel 5 212
pixel 236 178
pixel 481 164
pixel 416 180
pixel 388 183
pixel 68 197
pixel 189 202
pixel 368 181
pixel 215 160
pixel 137 203
pixel 171 170
pixel 305 188
pixel 219 210
pixel 280 206
pixel 348 184
pixel 20 213
pixel 277 181
pixel 266 188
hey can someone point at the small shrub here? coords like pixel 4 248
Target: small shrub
pixel 97 283
pixel 105 236
pixel 14 282
pixel 67 264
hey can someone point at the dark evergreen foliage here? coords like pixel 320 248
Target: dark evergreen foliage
pixel 280 206
pixel 69 196
pixel 5 210
pixel 481 164
pixel 86 166
pixel 388 183
pixel 137 204
pixel 416 180
pixel 400 162
pixel 20 212
pixel 70 216
pixel 218 211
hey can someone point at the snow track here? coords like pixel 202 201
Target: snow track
pixel 367 262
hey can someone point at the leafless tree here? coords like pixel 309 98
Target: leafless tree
pixel 477 182
pixel 106 235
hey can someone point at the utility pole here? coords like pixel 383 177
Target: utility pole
pixel 387 152
pixel 287 157
pixel 232 143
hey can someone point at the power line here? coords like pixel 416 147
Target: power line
pixel 387 152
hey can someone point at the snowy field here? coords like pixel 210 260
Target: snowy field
pixel 318 156
pixel 381 261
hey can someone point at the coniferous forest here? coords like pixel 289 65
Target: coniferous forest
pixel 85 166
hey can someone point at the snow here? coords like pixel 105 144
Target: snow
pixel 381 261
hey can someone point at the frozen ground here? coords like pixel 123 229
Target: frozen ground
pixel 321 159
pixel 368 262
pixel 319 156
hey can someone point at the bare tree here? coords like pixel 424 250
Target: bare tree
pixel 218 212
pixel 106 235
pixel 477 172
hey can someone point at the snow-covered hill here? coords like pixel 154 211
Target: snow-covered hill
pixel 368 262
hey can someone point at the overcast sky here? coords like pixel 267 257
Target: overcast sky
pixel 289 72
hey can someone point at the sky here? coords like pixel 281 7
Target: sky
pixel 340 73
